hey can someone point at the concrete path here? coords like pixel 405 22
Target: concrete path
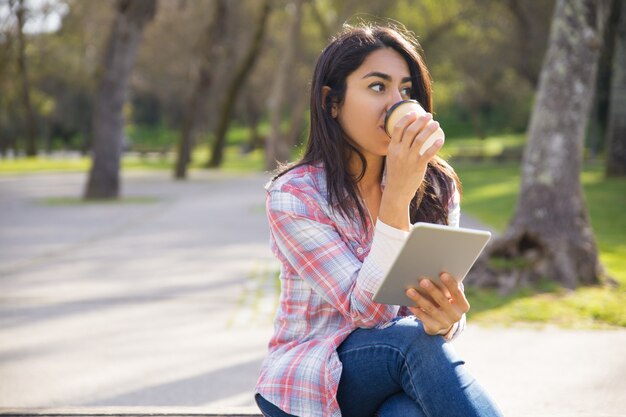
pixel 166 300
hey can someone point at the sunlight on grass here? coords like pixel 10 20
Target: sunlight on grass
pixel 582 308
pixel 44 163
pixel 489 191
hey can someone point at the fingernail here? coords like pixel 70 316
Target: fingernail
pixel 425 283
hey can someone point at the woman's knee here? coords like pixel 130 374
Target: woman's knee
pixel 408 333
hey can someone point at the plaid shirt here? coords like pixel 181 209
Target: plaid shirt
pixel 330 268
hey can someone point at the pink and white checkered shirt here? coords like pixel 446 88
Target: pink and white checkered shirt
pixel 330 269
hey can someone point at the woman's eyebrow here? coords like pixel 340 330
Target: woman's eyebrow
pixel 384 76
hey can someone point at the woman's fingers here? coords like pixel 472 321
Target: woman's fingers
pixel 438 308
pixel 431 316
pixel 447 310
pixel 399 129
pixel 422 302
pixel 412 131
pixel 431 326
pixel 457 296
pixel 422 136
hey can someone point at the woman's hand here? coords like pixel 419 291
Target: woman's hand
pixel 406 168
pixel 439 308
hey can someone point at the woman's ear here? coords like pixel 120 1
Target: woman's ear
pixel 334 107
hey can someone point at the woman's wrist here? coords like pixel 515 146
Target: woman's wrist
pixel 394 212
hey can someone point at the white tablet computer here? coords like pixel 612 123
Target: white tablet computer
pixel 430 250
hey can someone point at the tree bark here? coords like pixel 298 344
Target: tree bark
pixel 550 235
pixel 253 113
pixel 108 122
pixel 616 147
pixel 296 134
pixel 525 39
pixel 278 146
pixel 29 116
pixel 212 46
pixel 238 80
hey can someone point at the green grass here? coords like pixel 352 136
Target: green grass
pixel 234 161
pixel 464 147
pixel 490 194
pixel 43 164
pixel 153 139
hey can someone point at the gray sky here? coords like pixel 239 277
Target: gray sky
pixel 43 15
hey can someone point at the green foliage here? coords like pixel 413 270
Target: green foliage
pixel 483 85
pixel 151 137
pixel 470 48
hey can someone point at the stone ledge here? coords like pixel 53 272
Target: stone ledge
pixel 132 412
pixel 197 412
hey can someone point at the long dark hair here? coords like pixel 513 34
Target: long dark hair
pixel 327 143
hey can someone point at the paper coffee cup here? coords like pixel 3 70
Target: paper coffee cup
pixel 399 110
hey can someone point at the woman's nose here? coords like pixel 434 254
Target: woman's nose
pixel 395 97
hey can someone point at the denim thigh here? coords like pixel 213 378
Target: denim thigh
pixel 402 358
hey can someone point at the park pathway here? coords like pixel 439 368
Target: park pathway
pixel 166 299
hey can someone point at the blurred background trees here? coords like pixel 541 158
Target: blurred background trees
pixel 484 56
pixel 217 80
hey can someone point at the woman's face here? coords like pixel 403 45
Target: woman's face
pixel 381 81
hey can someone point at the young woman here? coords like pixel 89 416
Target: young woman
pixel 337 218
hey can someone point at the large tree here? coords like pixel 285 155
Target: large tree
pixel 240 74
pixel 550 235
pixel 212 50
pixel 616 134
pixel 29 115
pixel 278 146
pixel 108 122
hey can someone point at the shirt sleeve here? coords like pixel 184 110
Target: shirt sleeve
pixel 308 241
pixel 454 218
pixel 454 209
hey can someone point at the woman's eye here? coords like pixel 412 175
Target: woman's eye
pixel 378 87
pixel 406 91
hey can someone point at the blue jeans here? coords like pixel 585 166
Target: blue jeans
pixel 401 371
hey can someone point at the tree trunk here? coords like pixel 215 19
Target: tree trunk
pixel 238 80
pixel 550 235
pixel 29 117
pixel 525 38
pixel 616 147
pixel 253 114
pixel 108 122
pixel 212 47
pixel 278 146
pixel 296 131
pixel 599 119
